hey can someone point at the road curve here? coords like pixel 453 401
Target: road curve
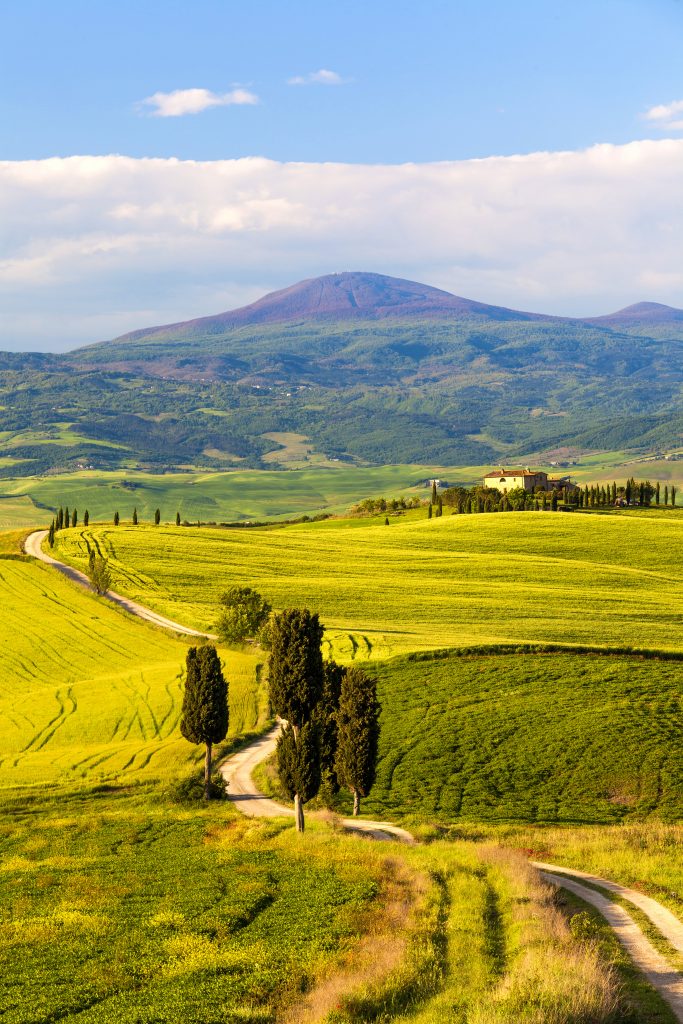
pixel 33 546
pixel 656 968
pixel 236 770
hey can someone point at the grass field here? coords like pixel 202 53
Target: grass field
pixel 417 584
pixel 556 737
pixel 119 908
pixel 90 693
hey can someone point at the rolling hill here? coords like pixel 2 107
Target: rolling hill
pixel 369 368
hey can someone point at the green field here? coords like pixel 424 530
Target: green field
pixel 91 693
pixel 417 584
pixel 558 737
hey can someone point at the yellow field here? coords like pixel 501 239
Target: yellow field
pixel 416 584
pixel 86 690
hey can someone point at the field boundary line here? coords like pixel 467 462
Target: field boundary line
pixel 33 547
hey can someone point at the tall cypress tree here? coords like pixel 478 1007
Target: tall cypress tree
pixel 204 716
pixel 296 687
pixel 86 517
pixel 116 518
pixel 657 494
pixel 429 511
pixel 60 519
pixel 74 518
pixel 325 720
pixel 177 518
pixel 666 494
pixel 51 534
pixel 67 517
pixel 358 733
pixel 673 495
pixel 157 517
pixel 135 517
pixel 434 493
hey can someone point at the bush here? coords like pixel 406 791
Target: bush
pixel 190 789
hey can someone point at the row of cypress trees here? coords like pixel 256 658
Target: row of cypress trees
pixel 329 714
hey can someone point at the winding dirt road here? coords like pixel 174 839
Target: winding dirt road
pixel 247 798
pixel 237 770
pixel 33 546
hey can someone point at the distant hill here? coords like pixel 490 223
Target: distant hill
pixel 368 367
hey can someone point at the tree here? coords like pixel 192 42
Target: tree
pixel 673 495
pixel 244 612
pixel 666 494
pixel 204 715
pixel 67 517
pixel 99 573
pixel 325 720
pixel 177 518
pixel 357 733
pixel 429 511
pixel 296 686
pixel 386 520
pixel 434 493
pixel 86 517
pixel 60 519
pixel 135 517
pixel 74 518
pixel 657 494
pixel 116 519
pixel 51 534
pixel 157 517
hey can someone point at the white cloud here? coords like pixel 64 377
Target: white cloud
pixel 321 77
pixel 94 246
pixel 667 116
pixel 194 101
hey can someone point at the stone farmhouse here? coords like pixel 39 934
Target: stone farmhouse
pixel 530 480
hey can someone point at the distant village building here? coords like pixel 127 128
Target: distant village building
pixel 528 479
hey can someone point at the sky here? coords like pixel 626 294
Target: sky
pixel 161 161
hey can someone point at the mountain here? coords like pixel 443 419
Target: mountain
pixel 368 367
pixel 337 297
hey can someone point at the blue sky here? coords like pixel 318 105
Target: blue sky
pixel 160 161
pixel 423 81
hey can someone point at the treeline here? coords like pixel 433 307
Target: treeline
pixel 372 506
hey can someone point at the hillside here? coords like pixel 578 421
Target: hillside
pixel 368 368
pixel 418 583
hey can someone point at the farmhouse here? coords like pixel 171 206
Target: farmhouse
pixel 528 479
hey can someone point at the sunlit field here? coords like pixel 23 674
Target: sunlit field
pixel 417 584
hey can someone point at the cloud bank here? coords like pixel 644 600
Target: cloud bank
pixel 94 246
pixel 193 101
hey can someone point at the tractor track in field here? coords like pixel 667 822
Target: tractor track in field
pixel 33 547
pixel 237 771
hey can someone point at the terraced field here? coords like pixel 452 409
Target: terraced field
pixel 417 584
pixel 87 692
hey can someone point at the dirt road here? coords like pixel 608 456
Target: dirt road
pixel 33 546
pixel 246 796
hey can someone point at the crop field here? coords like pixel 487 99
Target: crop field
pixel 87 692
pixel 419 584
pixel 535 737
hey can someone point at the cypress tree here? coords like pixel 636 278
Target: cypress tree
pixel 296 686
pixel 429 511
pixel 641 494
pixel 86 517
pixel 135 517
pixel 358 733
pixel 673 495
pixel 177 518
pixel 67 517
pixel 324 718
pixel 553 501
pixel 434 493
pixel 204 716
pixel 657 494
pixel 386 520
pixel 157 517
pixel 60 519
pixel 666 494
pixel 74 518
pixel 51 534
pixel 116 518
pixel 439 508
pixel 627 493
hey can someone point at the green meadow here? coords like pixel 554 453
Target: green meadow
pixel 611 580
